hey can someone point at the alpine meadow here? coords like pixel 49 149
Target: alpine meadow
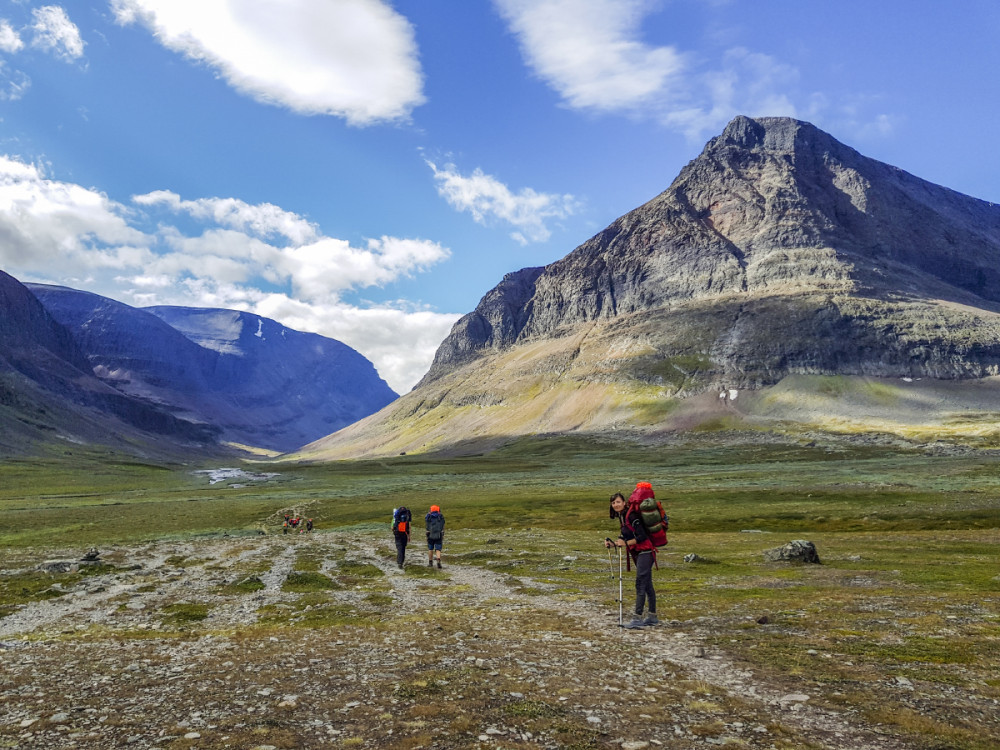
pixel 797 384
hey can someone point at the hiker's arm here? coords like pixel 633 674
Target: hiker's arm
pixel 639 532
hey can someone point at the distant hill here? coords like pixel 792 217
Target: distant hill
pixel 50 397
pixel 778 252
pixel 250 379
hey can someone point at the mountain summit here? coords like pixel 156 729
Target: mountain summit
pixel 777 252
pixel 772 207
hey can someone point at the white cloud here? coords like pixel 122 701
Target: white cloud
pixel 355 59
pixel 486 198
pixel 263 220
pixel 63 233
pixel 55 33
pixel 10 40
pixel 746 83
pixel 400 342
pixel 46 224
pixel 589 51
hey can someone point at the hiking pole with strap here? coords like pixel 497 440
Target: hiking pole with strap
pixel 611 565
pixel 619 586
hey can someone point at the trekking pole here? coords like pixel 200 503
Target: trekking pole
pixel 619 586
pixel 611 565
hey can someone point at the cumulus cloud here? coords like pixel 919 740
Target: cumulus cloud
pixel 250 257
pixel 488 199
pixel 55 33
pixel 10 40
pixel 355 59
pixel 45 223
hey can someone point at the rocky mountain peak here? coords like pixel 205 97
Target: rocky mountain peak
pixel 772 208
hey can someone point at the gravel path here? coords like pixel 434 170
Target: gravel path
pixel 223 672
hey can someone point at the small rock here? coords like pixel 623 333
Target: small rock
pixel 192 735
pixel 634 745
pixel 793 698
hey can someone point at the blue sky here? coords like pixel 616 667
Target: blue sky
pixel 368 169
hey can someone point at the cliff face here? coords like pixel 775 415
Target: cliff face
pixel 250 378
pixel 775 223
pixel 777 255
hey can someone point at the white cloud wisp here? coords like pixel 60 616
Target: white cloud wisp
pixel 487 199
pixel 592 54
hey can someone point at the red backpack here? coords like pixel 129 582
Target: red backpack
pixel 644 503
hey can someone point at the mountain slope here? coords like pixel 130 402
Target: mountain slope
pixel 259 383
pixel 776 252
pixel 49 394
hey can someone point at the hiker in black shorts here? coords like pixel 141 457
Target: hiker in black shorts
pixel 435 534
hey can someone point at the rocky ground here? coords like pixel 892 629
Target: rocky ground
pixel 319 640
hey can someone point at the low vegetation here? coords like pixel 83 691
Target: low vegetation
pixel 896 628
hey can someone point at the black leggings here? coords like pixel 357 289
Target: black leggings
pixel 644 582
pixel 400 550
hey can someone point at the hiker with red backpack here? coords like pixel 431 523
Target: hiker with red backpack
pixel 643 526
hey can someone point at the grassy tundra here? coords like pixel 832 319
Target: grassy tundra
pixel 899 628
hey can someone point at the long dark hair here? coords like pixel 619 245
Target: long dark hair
pixel 611 505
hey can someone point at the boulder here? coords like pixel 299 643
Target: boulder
pixel 794 551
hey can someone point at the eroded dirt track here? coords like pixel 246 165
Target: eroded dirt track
pixel 241 643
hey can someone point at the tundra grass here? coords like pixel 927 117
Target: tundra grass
pixel 899 622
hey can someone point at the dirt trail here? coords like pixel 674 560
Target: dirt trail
pixel 133 599
pixel 678 646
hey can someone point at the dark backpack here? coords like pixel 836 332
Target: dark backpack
pixel 401 518
pixel 435 525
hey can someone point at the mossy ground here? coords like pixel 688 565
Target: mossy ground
pixel 898 626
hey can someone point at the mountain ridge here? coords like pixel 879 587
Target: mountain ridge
pixel 277 394
pixel 777 252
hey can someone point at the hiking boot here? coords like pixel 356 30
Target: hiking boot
pixel 399 565
pixel 430 563
pixel 439 564
pixel 651 619
pixel 637 622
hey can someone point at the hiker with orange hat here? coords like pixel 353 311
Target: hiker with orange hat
pixel 435 534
